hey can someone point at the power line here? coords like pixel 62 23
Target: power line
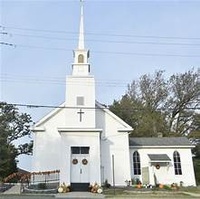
pixel 146 54
pixel 3 33
pixel 101 34
pixel 7 44
pixel 103 52
pixel 59 80
pixel 107 41
pixel 52 106
pixel 73 107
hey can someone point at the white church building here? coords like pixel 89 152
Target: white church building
pixel 87 143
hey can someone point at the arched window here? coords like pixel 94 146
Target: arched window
pixel 136 163
pixel 80 58
pixel 177 163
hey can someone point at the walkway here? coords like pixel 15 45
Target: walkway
pixel 14 193
pixel 192 194
pixel 14 190
pixel 84 195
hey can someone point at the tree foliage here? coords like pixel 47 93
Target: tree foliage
pixel 13 126
pixel 153 90
pixel 184 96
pixel 154 104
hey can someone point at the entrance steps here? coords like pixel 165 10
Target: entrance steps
pixel 81 195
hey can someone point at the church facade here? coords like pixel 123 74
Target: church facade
pixel 87 143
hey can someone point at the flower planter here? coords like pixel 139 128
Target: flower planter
pixel 160 186
pixel 139 186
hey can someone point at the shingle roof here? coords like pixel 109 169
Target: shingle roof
pixel 159 141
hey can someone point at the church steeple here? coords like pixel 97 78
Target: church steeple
pixel 81 30
pixel 80 86
pixel 81 67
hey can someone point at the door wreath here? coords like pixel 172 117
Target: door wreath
pixel 84 161
pixel 74 161
pixel 157 166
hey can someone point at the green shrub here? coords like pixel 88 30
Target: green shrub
pixel 42 186
pixel 167 187
pixel 197 169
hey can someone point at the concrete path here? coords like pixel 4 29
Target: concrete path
pixel 16 189
pixel 14 193
pixel 192 194
pixel 84 195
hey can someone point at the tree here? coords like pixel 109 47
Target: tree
pixel 183 99
pixel 127 109
pixel 139 107
pixel 153 90
pixel 13 126
pixel 195 135
pixel 8 163
pixel 154 104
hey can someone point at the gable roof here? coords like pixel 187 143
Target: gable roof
pixel 49 115
pixel 20 170
pixel 159 142
pixel 104 108
pixel 126 128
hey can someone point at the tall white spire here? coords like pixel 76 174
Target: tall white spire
pixel 81 30
pixel 81 67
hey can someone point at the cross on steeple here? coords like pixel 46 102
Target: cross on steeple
pixel 80 112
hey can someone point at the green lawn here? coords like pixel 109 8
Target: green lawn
pixel 181 193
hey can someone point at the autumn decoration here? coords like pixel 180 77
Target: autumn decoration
pixel 63 188
pixel 95 188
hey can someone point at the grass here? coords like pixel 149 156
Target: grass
pixel 112 191
pixel 127 192
pixel 150 194
pixel 191 189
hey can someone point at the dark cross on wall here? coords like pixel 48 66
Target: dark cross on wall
pixel 80 112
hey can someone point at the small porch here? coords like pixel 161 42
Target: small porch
pixel 159 165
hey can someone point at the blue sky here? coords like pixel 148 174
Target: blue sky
pixel 126 40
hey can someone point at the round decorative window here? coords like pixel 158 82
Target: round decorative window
pixel 74 161
pixel 84 161
pixel 157 166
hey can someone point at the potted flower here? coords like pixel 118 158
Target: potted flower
pixel 138 183
pixel 160 186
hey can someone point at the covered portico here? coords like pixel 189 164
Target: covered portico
pixel 159 165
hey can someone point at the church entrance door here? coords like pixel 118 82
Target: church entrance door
pixel 80 168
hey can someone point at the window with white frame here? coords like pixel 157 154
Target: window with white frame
pixel 136 163
pixel 177 163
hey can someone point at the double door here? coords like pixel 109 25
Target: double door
pixel 80 164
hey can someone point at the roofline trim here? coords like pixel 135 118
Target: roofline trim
pixel 49 115
pixel 157 161
pixel 127 126
pixel 75 130
pixel 167 146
